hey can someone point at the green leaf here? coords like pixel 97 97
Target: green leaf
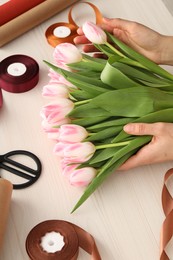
pixel 106 50
pixel 138 73
pixel 108 132
pixel 71 75
pixel 93 59
pixel 88 87
pixel 81 94
pixel 137 142
pixel 87 65
pixel 87 121
pixel 103 155
pixel 140 58
pixel 114 77
pixel 133 102
pixel 88 110
pixel 99 180
pixel 115 122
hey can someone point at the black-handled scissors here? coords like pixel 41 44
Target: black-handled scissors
pixel 13 166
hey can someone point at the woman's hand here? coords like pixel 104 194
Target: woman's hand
pixel 160 149
pixel 153 45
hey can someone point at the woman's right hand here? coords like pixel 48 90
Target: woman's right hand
pixel 153 45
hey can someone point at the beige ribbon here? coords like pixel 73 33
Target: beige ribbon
pixel 167 227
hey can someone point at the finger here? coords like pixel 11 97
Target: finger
pixel 100 56
pixel 142 157
pixel 117 23
pixel 143 128
pixel 81 40
pixel 80 31
pixel 89 48
pixel 130 164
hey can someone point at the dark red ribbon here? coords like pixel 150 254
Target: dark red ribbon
pixel 22 83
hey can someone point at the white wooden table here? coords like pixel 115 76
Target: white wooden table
pixel 124 215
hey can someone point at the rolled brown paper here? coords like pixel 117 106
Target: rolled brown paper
pixel 5 197
pixel 31 18
pixel 73 236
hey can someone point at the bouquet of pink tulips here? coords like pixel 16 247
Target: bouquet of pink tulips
pixel 92 99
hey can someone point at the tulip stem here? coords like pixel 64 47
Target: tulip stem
pixel 82 102
pixel 111 145
pixel 90 134
pixel 115 50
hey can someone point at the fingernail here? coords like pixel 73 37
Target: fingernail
pixel 128 128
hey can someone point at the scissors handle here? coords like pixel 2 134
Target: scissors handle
pixel 10 165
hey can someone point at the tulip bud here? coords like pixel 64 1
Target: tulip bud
pixel 65 53
pixel 57 78
pixel 48 127
pixel 55 90
pixel 56 110
pixel 75 153
pixel 72 133
pixel 94 33
pixel 67 168
pixel 82 177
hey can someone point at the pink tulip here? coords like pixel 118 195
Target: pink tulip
pixel 52 130
pixel 55 90
pixel 56 110
pixel 72 133
pixel 65 53
pixel 54 135
pixel 75 153
pixel 94 33
pixel 50 127
pixel 67 168
pixel 82 177
pixel 57 78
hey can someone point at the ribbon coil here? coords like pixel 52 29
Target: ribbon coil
pixel 74 237
pixel 54 39
pixel 167 227
pixel 18 73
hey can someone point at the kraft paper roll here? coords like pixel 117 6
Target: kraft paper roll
pixel 31 18
pixel 5 197
pixel 73 237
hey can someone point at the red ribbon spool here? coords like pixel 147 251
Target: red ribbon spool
pixel 18 73
pixel 24 80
